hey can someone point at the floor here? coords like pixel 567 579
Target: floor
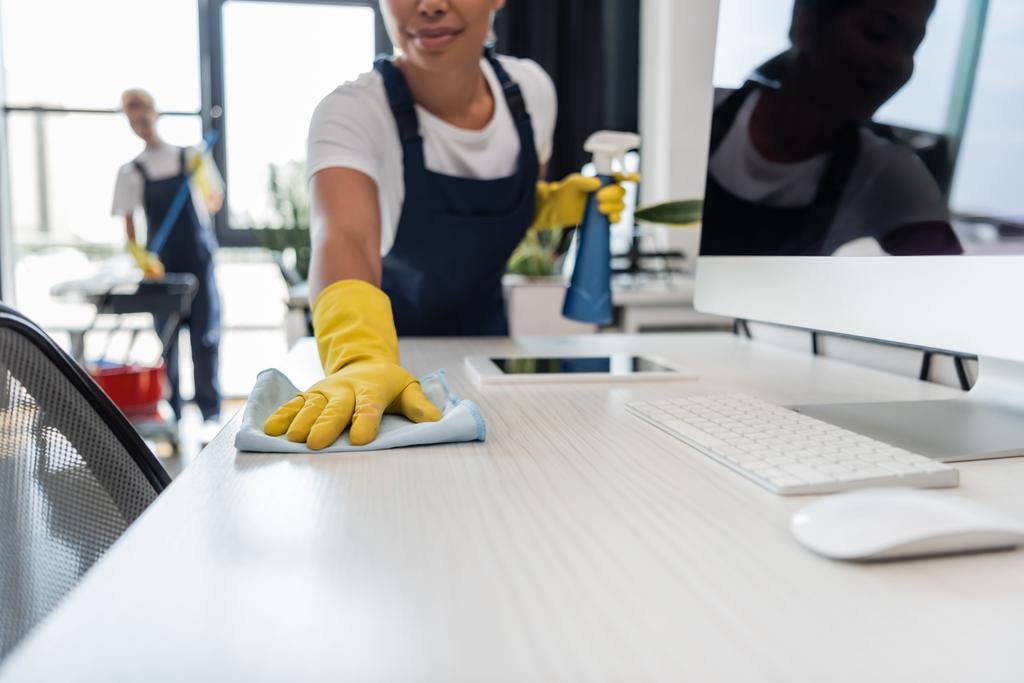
pixel 190 434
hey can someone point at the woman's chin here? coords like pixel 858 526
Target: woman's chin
pixel 440 59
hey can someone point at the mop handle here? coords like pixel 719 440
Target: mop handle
pixel 178 204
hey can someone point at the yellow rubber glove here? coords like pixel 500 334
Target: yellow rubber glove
pixel 200 176
pixel 152 268
pixel 560 204
pixel 358 347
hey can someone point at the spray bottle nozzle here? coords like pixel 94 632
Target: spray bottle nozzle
pixel 609 145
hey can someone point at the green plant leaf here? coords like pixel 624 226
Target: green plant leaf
pixel 531 258
pixel 687 212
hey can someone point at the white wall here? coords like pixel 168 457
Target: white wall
pixel 677 56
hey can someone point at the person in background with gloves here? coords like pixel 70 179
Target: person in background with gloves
pixel 150 182
pixel 424 178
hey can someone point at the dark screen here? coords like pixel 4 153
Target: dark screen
pixel 800 167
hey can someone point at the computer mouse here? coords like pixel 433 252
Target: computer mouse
pixel 888 523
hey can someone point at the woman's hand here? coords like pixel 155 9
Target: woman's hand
pixel 358 347
pixel 562 203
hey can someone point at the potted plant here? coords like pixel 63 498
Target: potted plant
pixel 538 254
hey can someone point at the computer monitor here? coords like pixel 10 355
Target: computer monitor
pixel 847 195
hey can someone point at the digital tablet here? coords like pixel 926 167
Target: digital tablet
pixel 488 370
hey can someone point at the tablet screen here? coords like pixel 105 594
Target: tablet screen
pixel 605 365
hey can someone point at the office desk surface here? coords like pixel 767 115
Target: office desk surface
pixel 578 543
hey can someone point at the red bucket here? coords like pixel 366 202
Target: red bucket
pixel 135 389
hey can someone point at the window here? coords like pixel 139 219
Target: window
pixel 270 94
pixel 83 54
pixel 66 64
pixel 63 168
pixel 987 181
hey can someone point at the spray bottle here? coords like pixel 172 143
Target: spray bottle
pixel 589 298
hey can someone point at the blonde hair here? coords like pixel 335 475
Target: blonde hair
pixel 134 96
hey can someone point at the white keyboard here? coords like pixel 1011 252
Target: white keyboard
pixel 786 452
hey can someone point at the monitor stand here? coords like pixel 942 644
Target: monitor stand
pixel 986 423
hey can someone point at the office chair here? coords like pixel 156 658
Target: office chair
pixel 74 475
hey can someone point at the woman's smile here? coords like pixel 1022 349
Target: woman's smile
pixel 435 38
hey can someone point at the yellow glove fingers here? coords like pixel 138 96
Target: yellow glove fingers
pixel 581 183
pixel 562 203
pixel 631 177
pixel 332 421
pixel 303 422
pixel 278 423
pixel 610 201
pixel 139 254
pixel 415 405
pixel 612 211
pixel 611 193
pixel 148 262
pixel 366 421
pixel 153 270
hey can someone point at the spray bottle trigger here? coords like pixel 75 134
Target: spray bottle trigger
pixel 609 145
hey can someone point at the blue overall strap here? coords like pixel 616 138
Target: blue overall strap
pixel 179 199
pixel 400 99
pixel 513 95
pixel 404 107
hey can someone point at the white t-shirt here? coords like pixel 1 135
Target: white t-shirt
pixel 876 196
pixel 353 127
pixel 160 163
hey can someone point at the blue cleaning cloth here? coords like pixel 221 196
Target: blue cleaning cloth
pixel 460 420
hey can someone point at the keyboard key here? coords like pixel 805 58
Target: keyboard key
pixel 690 432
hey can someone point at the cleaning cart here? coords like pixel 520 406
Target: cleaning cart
pixel 137 389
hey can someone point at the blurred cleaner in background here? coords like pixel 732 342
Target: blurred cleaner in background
pixel 150 182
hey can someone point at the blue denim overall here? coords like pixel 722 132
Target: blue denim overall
pixel 188 249
pixel 455 235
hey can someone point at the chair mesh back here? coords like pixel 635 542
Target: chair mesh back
pixel 68 486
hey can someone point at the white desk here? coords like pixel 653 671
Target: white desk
pixel 578 543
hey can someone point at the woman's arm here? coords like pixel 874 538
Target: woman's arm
pixel 129 226
pixel 344 229
pixel 355 333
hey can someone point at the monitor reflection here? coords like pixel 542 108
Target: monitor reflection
pixel 798 167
